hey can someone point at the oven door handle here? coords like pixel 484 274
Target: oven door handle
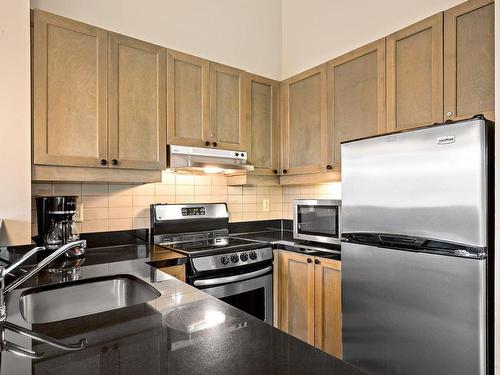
pixel 232 279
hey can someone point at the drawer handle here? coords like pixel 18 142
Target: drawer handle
pixel 114 162
pixel 103 162
pixel 309 260
pixel 207 143
pixel 214 144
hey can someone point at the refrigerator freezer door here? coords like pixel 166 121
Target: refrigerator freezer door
pixel 429 182
pixel 413 313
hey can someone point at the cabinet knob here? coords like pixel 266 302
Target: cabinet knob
pixel 328 167
pixel 316 261
pixel 285 171
pixel 449 114
pixel 275 171
pixel 309 260
pixel 214 144
pixel 114 162
pixel 207 143
pixel 103 162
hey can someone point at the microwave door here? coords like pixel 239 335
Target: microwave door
pixel 320 223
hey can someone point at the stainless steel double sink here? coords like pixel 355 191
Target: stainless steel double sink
pixel 84 297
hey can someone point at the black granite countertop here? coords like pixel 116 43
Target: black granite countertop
pixel 184 331
pixel 283 239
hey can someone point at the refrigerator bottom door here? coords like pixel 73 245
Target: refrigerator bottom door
pixel 413 313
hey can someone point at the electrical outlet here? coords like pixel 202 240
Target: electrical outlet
pixel 265 205
pixel 78 216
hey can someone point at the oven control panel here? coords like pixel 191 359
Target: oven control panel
pixel 193 211
pixel 234 259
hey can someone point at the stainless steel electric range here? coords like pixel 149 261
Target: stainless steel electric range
pixel 237 271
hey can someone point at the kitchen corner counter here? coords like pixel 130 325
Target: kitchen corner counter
pixel 283 239
pixel 184 331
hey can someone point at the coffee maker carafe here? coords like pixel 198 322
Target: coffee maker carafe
pixel 56 226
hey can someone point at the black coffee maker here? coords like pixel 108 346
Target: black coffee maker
pixel 56 226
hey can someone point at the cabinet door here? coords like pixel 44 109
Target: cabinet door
pixel 306 137
pixel 263 128
pixel 469 60
pixel 297 296
pixel 137 104
pixel 356 87
pixel 69 92
pixel 188 105
pixel 415 75
pixel 227 107
pixel 328 306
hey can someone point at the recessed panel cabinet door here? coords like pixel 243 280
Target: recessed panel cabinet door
pixel 328 306
pixel 305 135
pixel 356 86
pixel 415 75
pixel 227 107
pixel 137 105
pixel 263 127
pixel 297 296
pixel 469 60
pixel 188 100
pixel 69 92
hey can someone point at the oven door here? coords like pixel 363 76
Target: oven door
pixel 250 292
pixel 317 221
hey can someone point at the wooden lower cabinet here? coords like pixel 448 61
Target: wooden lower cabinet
pixel 310 300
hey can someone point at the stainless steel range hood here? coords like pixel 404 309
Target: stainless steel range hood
pixel 207 160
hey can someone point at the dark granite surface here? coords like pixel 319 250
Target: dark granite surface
pixel 283 239
pixel 184 331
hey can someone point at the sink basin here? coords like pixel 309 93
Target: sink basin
pixel 84 297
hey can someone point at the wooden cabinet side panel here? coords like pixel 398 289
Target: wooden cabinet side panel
pixel 188 104
pixel 69 92
pixel 328 306
pixel 469 50
pixel 415 75
pixel 297 296
pixel 137 104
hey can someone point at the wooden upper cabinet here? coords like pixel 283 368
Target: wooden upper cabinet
pixel 297 296
pixel 137 104
pixel 227 107
pixel 469 60
pixel 328 305
pixel 305 134
pixel 69 92
pixel 415 75
pixel 356 92
pixel 188 100
pixel 263 124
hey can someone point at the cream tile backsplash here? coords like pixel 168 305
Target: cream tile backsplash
pixel 109 207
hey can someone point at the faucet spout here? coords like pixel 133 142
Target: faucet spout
pixel 57 253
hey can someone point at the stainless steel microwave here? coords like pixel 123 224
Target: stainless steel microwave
pixel 317 220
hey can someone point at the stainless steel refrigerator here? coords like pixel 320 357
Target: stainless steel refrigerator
pixel 417 250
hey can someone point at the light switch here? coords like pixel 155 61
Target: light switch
pixel 265 205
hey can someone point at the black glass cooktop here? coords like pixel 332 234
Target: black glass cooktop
pixel 212 246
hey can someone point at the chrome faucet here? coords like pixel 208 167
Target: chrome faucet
pixel 4 325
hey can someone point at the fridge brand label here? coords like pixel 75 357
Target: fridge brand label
pixel 446 140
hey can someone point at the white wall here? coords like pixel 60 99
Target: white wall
pixel 242 33
pixel 315 31
pixel 15 135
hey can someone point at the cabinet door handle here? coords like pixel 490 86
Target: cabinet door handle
pixel 214 144
pixel 114 162
pixel 103 162
pixel 207 143
pixel 316 261
pixel 328 167
pixel 309 260
pixel 275 171
pixel 285 171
